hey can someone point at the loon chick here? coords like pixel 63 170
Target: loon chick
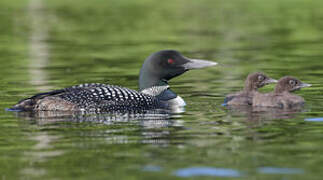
pixel 252 83
pixel 281 97
pixel 154 91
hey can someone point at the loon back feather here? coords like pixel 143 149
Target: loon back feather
pixel 90 97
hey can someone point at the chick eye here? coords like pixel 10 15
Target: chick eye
pixel 261 78
pixel 292 82
pixel 170 61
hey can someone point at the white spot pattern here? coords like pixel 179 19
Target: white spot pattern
pixel 95 96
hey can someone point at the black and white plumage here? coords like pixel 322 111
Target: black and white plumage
pixel 154 90
pixel 92 97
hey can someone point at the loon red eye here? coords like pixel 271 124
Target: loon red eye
pixel 170 61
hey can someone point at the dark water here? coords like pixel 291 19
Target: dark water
pixel 57 43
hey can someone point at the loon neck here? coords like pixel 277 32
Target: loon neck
pixel 163 93
pixel 249 86
pixel 148 79
pixel 155 90
pixel 147 83
pixel 151 85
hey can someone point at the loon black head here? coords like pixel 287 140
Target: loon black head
pixel 164 65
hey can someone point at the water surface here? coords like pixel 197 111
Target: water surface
pixel 57 43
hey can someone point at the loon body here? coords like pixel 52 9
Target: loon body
pixel 282 96
pixel 252 83
pixel 91 97
pixel 154 91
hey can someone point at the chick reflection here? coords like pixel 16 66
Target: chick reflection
pixel 258 114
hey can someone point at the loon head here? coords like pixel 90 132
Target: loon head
pixel 164 65
pixel 257 80
pixel 289 84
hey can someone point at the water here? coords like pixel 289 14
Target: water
pixel 57 43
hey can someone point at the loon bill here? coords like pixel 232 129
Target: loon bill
pixel 154 91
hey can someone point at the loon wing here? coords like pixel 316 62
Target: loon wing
pixel 89 97
pixel 30 103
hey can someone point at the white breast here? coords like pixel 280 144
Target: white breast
pixel 177 105
pixel 178 101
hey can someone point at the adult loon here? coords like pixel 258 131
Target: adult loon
pixel 282 97
pixel 154 91
pixel 252 83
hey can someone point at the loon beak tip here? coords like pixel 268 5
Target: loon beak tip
pixel 272 81
pixel 306 85
pixel 199 63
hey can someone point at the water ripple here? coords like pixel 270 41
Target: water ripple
pixel 276 170
pixel 207 171
pixel 152 168
pixel 319 119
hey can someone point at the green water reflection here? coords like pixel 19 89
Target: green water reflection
pixel 47 44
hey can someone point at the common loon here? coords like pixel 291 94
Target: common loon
pixel 252 83
pixel 281 97
pixel 154 91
